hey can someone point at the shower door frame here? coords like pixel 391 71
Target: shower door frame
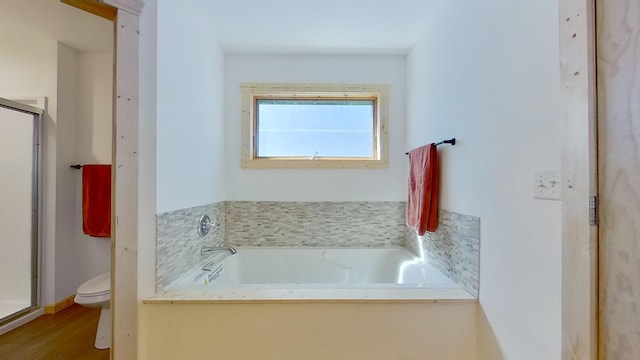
pixel 36 223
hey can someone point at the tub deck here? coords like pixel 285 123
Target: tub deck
pixel 312 275
pixel 308 295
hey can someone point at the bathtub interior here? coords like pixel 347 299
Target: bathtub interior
pixel 315 267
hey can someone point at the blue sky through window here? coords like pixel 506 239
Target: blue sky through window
pixel 330 128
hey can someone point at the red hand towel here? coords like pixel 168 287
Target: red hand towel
pixel 422 205
pixel 96 200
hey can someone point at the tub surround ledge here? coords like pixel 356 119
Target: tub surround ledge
pixel 236 295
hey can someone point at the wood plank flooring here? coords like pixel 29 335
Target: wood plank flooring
pixel 69 334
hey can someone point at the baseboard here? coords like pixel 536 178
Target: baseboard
pixel 59 306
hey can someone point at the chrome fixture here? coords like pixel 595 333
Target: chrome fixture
pixel 204 224
pixel 210 267
pixel 214 249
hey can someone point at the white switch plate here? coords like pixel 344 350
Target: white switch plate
pixel 547 185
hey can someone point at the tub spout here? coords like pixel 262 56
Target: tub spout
pixel 214 249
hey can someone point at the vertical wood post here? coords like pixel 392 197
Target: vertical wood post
pixel 124 252
pixel 579 177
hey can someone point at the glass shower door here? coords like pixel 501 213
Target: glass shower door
pixel 19 126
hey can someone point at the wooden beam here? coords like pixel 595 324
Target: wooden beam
pixel 134 7
pixel 124 252
pixel 94 7
pixel 579 239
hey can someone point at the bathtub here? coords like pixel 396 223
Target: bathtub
pixel 286 273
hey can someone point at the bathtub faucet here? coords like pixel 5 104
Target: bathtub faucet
pixel 213 249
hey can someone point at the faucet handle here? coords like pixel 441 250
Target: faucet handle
pixel 211 225
pixel 204 224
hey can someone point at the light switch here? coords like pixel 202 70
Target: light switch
pixel 547 185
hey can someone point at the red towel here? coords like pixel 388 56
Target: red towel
pixel 96 200
pixel 422 206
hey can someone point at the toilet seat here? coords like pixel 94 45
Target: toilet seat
pixel 95 290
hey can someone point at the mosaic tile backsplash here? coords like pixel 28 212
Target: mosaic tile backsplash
pixel 454 248
pixel 178 243
pixel 339 224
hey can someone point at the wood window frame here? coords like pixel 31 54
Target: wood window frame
pixel 252 92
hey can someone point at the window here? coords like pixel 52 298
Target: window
pixel 314 126
pixel 335 128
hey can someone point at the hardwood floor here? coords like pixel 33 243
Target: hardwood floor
pixel 69 334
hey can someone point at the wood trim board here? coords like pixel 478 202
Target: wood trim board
pixel 60 305
pixel 124 251
pixel 579 179
pixel 133 7
pixel 94 7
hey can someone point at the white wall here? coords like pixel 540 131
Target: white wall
pixel 85 94
pixel 92 256
pixel 488 74
pixel 65 176
pixel 190 128
pixel 28 70
pixel 95 107
pixel 316 184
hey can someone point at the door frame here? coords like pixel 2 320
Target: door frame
pixel 124 180
pixel 579 179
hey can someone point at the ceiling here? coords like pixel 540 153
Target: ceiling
pixel 51 20
pixel 244 26
pixel 326 26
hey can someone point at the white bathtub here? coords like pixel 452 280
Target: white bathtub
pixel 283 273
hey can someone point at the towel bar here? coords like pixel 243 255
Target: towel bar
pixel 451 141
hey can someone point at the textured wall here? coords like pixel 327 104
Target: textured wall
pixel 618 46
pixel 355 224
pixel 454 248
pixel 178 243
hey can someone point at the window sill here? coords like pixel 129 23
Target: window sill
pixel 313 164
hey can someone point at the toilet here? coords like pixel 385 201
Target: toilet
pixel 96 293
